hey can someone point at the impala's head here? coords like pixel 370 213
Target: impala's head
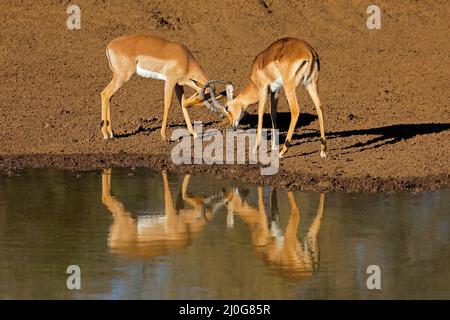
pixel 233 109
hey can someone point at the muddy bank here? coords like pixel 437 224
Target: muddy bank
pixel 385 92
pixel 10 165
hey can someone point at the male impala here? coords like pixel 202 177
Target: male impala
pixel 285 63
pixel 283 252
pixel 149 236
pixel 153 57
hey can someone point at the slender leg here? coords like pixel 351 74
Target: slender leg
pixel 184 186
pixel 106 184
pixel 261 231
pixel 105 95
pixel 313 92
pixel 108 121
pixel 118 80
pixel 294 219
pixel 262 104
pixel 179 91
pixel 315 226
pixel 291 247
pixel 314 229
pixel 289 89
pixel 274 96
pixel 108 172
pixel 171 213
pixel 168 94
pixel 197 202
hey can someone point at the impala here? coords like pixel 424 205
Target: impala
pixel 149 236
pixel 283 252
pixel 150 56
pixel 285 63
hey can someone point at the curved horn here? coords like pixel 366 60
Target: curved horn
pixel 218 107
pixel 205 101
pixel 208 105
pixel 229 90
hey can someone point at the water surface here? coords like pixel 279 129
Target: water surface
pixel 140 234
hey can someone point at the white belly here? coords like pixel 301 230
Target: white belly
pixel 149 74
pixel 276 85
pixel 147 221
pixel 277 234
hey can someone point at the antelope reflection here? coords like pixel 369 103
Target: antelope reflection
pixel 151 236
pixel 284 253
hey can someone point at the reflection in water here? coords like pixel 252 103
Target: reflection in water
pixel 150 236
pixel 284 253
pixel 141 234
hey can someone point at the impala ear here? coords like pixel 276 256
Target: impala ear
pixel 229 90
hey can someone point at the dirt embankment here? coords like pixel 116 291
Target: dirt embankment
pixel 385 92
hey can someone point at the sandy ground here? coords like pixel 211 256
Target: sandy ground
pixel 385 92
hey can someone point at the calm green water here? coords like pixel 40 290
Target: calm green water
pixel 139 234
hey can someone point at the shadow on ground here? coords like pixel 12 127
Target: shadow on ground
pixel 146 129
pixel 385 135
pixel 283 120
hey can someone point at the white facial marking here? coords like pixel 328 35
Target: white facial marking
pixel 149 74
pixel 276 85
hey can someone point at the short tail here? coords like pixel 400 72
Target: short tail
pixel 109 59
pixel 313 69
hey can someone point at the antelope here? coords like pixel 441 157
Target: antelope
pixel 150 56
pixel 147 237
pixel 285 63
pixel 283 252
